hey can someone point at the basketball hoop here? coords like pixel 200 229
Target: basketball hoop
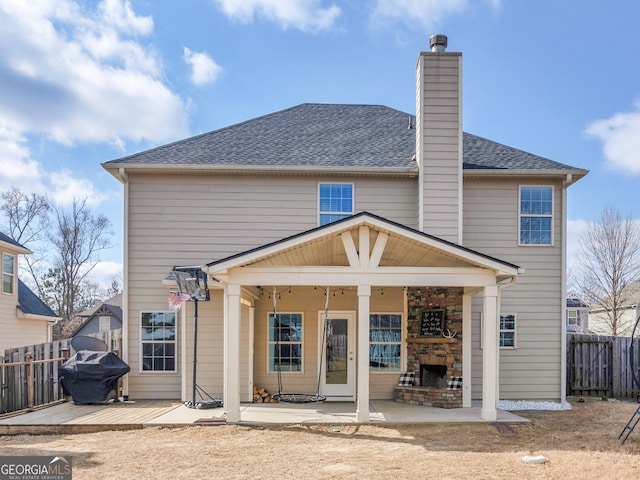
pixel 176 300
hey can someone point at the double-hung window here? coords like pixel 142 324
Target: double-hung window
pixel 385 339
pixel 8 272
pixel 536 215
pixel 158 338
pixel 104 323
pixel 508 330
pixel 335 201
pixel 285 342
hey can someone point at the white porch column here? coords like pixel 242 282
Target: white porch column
pixel 490 355
pixel 231 395
pixel 364 297
pixel 466 350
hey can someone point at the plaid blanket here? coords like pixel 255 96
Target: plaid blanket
pixel 454 383
pixel 407 379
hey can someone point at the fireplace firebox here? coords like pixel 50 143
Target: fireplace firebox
pixel 433 376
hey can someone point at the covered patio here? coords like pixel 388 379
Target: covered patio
pixel 362 253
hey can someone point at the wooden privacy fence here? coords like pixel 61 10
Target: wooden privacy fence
pixel 601 366
pixel 29 375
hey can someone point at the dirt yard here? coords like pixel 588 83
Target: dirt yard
pixel 579 444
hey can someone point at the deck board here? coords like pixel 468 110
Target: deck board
pixel 121 413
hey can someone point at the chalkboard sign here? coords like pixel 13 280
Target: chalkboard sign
pixel 432 323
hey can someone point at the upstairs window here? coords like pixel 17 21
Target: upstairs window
pixel 536 215
pixel 8 272
pixel 335 201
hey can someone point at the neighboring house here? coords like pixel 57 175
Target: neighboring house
pixel 600 318
pixel 443 253
pixel 577 315
pixel 104 317
pixel 24 318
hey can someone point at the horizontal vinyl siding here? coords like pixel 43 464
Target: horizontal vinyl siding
pixel 532 370
pixel 196 219
pixel 19 332
pixel 439 134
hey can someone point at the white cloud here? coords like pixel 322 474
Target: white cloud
pixel 121 16
pixel 65 188
pixel 575 230
pixel 304 15
pixel 103 273
pixel 425 13
pixel 620 136
pixel 17 169
pixel 76 75
pixel 203 69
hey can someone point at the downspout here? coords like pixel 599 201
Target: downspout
pixel 563 307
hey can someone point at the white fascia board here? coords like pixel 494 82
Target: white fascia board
pixel 10 247
pixel 576 173
pixel 118 170
pixel 43 318
pixel 340 276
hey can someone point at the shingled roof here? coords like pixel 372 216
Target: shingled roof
pixel 30 304
pixel 326 136
pixel 7 239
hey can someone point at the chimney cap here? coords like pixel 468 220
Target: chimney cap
pixel 438 43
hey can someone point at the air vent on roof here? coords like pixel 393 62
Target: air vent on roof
pixel 438 43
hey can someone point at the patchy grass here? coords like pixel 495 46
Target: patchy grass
pixel 579 443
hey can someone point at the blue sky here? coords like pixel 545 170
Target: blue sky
pixel 84 82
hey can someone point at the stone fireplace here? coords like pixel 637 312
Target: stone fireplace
pixel 434 348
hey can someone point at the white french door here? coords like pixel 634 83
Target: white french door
pixel 338 364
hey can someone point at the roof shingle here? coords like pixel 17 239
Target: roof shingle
pixel 325 136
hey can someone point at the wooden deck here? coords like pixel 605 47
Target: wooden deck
pixel 70 418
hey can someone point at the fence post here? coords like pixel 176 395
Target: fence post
pixel 30 383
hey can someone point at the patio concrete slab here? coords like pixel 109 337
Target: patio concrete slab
pixel 381 411
pixel 67 417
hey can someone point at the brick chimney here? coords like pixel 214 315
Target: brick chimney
pixel 439 140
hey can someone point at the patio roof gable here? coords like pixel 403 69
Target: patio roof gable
pixel 362 242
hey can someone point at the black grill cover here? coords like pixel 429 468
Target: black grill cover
pixel 89 377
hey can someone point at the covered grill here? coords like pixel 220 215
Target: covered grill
pixel 90 376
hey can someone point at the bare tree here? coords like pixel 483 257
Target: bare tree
pixel 77 237
pixel 608 263
pixel 27 218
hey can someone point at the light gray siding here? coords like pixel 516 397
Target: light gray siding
pixel 533 369
pixel 438 141
pixel 195 219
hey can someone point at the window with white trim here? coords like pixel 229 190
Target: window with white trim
pixel 335 202
pixel 285 342
pixel 104 323
pixel 572 316
pixel 8 272
pixel 385 340
pixel 508 330
pixel 158 339
pixel 536 215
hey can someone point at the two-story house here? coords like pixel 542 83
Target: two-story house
pixel 24 318
pixel 345 245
